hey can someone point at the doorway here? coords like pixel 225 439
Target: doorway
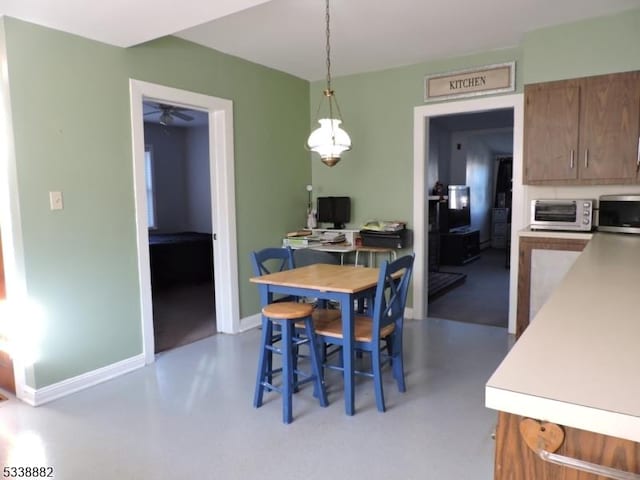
pixel 422 117
pixel 179 218
pixel 219 114
pixel 470 164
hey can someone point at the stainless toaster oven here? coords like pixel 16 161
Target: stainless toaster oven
pixel 562 214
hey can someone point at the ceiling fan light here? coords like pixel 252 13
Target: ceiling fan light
pixel 165 118
pixel 329 141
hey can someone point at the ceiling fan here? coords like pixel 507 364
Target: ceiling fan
pixel 167 113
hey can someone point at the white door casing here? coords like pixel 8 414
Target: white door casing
pixel 421 117
pixel 222 179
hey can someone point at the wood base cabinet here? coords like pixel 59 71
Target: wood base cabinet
pixel 527 246
pixel 515 460
pixel 583 131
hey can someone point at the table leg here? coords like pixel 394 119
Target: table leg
pixel 348 315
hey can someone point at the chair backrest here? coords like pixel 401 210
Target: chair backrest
pixel 271 260
pixel 391 293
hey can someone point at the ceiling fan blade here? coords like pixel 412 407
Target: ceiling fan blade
pixel 183 116
pixel 152 112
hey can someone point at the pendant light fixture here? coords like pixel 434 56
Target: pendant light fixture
pixel 329 141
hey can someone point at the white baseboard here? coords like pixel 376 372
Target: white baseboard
pixel 252 321
pixel 40 396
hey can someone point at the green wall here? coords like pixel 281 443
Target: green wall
pixel 70 101
pixel 590 47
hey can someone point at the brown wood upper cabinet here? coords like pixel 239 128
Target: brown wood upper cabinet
pixel 583 131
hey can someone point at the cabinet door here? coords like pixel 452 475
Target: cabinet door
pixel 525 287
pixel 551 131
pixel 610 127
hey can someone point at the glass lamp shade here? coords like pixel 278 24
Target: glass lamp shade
pixel 329 141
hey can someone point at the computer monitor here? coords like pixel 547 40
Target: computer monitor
pixel 459 208
pixel 336 210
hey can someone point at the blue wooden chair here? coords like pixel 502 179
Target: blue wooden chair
pixel 263 262
pixel 287 315
pixel 272 260
pixel 385 324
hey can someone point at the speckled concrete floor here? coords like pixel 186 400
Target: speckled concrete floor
pixel 190 416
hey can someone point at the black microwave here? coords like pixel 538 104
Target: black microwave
pixel 619 213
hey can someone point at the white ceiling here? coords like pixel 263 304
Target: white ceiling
pixel 288 35
pixel 121 22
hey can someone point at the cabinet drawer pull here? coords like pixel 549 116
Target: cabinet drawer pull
pixel 586 158
pixel 572 160
pixel 544 438
pixel 588 467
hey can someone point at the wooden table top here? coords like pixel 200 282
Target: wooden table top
pixel 324 278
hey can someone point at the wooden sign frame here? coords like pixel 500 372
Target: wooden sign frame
pixel 487 80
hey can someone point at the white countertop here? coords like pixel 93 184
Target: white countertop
pixel 527 232
pixel 578 362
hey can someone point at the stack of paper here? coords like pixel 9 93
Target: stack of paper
pixel 332 237
pixel 307 241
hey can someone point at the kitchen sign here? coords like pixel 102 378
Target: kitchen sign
pixel 472 82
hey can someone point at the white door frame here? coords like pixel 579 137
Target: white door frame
pixel 223 210
pixel 421 118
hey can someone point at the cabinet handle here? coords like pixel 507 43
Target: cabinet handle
pixel 571 158
pixel 545 438
pixel 588 467
pixel 586 158
pixel 638 161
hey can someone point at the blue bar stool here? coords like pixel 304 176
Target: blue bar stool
pixel 287 314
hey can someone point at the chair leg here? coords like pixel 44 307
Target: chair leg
pixel 287 371
pixel 389 345
pixel 397 363
pixel 315 363
pixel 377 378
pixel 264 361
pixel 294 366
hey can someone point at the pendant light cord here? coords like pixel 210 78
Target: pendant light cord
pixel 328 32
pixel 328 92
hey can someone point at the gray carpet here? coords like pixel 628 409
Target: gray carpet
pixel 183 315
pixel 484 296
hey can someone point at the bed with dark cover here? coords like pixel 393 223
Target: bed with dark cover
pixel 180 258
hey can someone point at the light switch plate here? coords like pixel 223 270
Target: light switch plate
pixel 55 200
